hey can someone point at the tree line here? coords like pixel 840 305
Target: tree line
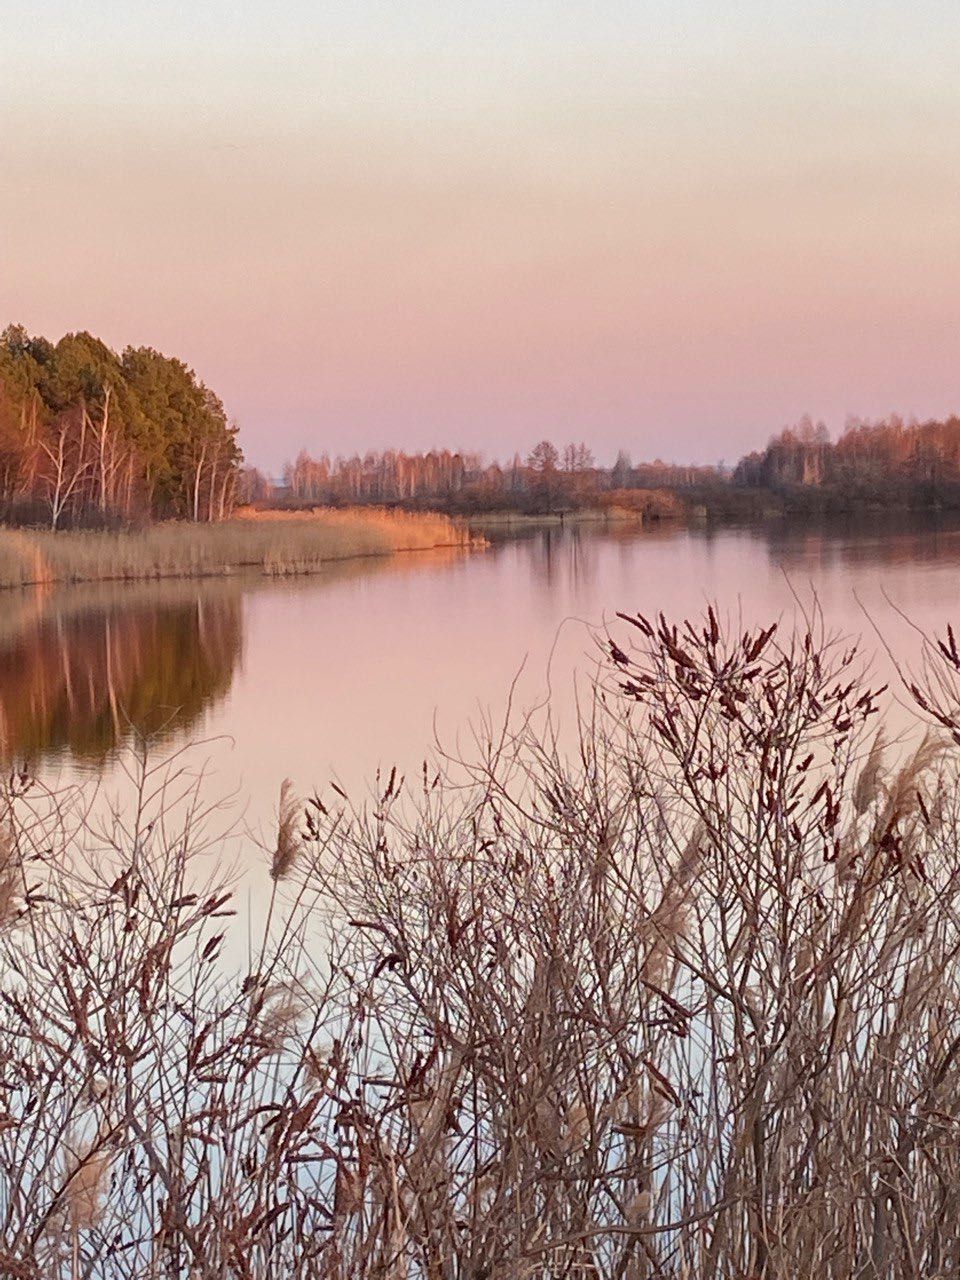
pixel 90 437
pixel 915 461
pixel 547 479
pixel 910 463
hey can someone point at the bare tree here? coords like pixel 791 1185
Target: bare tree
pixel 67 465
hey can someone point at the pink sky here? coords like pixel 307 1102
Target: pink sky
pixel 667 228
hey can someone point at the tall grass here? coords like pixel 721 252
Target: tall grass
pixel 277 544
pixel 681 1003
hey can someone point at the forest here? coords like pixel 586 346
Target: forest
pixel 907 463
pixel 871 464
pixel 92 438
pixel 547 480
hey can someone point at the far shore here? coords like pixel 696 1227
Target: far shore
pixel 275 543
pixel 494 520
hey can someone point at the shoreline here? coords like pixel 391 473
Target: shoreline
pixel 296 546
pixel 238 569
pixel 529 520
pixel 278 545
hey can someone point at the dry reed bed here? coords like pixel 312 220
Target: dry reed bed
pixel 686 1005
pixel 292 544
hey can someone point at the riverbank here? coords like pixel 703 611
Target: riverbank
pixel 276 543
pixel 513 523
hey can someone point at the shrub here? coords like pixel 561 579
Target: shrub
pixel 679 1002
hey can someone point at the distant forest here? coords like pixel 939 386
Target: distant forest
pixel 92 438
pixel 547 480
pixel 88 436
pixel 871 464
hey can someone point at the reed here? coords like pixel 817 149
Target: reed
pixel 681 1003
pixel 276 544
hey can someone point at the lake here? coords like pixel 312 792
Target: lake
pixel 365 665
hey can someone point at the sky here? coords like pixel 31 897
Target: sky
pixel 668 227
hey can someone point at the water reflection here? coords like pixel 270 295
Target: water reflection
pixel 84 668
pixel 79 669
pixel 362 664
pixel 876 542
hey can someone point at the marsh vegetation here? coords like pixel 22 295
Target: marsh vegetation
pixel 273 543
pixel 679 1001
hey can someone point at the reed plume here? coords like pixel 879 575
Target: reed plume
pixel 870 776
pixel 87 1177
pixel 11 878
pixel 288 844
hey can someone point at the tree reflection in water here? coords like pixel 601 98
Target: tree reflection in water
pixel 81 671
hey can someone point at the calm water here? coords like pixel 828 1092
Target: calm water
pixel 335 675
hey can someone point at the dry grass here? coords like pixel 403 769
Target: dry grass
pixel 681 1006
pixel 288 845
pixel 275 543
